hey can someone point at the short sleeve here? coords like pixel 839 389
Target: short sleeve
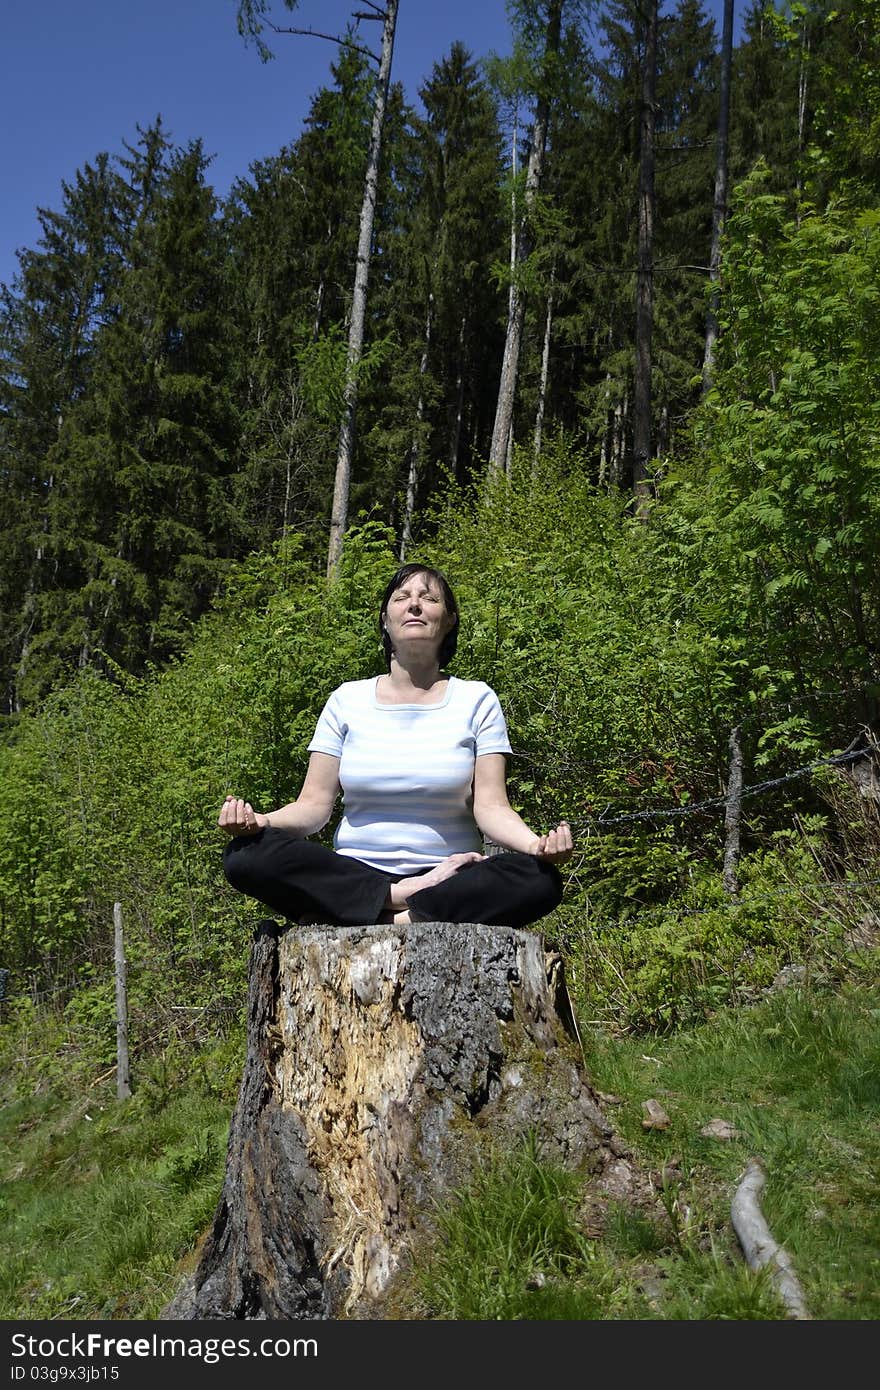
pixel 490 726
pixel 331 728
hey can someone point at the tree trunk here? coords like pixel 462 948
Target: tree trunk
pixel 501 433
pixel 803 69
pixel 288 466
pixel 507 384
pixel 545 373
pixel 645 277
pixel 458 416
pixel 342 482
pixel 382 1063
pixel 619 435
pixel 719 205
pixel 415 448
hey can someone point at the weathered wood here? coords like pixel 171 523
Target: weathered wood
pixel 123 1078
pixel 358 313
pixel 642 376
pixel 382 1063
pixel 758 1245
pixel 732 814
pixel 719 202
pixel 502 430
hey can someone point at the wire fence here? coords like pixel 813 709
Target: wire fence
pixel 790 894
pixel 715 803
pixel 602 821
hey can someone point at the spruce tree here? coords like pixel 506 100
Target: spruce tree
pixel 292 228
pixel 687 106
pixel 764 119
pixel 436 297
pixel 141 520
pixel 540 32
pixel 594 163
pixel 50 319
pixel 463 161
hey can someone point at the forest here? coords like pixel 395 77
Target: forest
pixel 618 376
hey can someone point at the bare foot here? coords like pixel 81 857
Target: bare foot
pixel 445 869
pixel 400 891
pixel 399 917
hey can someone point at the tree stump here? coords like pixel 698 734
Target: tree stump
pixel 382 1062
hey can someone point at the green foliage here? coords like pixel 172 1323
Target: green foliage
pixel 322 365
pixel 663 968
pixel 168 399
pixel 788 497
pixel 600 635
pixel 438 242
pixel 126 781
pixel 103 1201
pixel 170 376
pixel 509 1245
pixel 127 522
pixel 846 153
pixel 104 1198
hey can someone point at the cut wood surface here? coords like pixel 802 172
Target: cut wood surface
pixel 383 1063
pixel 758 1245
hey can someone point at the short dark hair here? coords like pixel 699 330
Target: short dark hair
pixel 405 572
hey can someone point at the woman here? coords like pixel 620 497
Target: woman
pixel 420 758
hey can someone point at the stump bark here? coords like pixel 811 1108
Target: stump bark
pixel 382 1063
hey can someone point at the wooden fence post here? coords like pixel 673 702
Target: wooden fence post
pixel 123 1087
pixel 732 813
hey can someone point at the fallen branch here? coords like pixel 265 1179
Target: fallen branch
pixel 758 1245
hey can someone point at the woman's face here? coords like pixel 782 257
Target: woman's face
pixel 416 614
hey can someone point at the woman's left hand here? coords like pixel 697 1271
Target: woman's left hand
pixel 238 817
pixel 557 846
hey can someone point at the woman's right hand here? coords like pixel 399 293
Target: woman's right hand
pixel 238 817
pixel 556 847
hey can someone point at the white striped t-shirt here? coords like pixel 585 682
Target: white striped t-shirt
pixel 407 771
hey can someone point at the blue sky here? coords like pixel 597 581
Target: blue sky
pixel 80 75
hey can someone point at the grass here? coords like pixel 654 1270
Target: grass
pixel 797 1077
pixel 103 1201
pixel 511 1246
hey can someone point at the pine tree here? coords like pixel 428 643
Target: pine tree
pixel 646 206
pixel 595 164
pixel 436 297
pixel 251 14
pixel 591 172
pixel 687 119
pixel 463 171
pixel 50 320
pixel 764 120
pixel 141 519
pixel 292 227
pixel 355 347
pixel 719 202
pixel 546 18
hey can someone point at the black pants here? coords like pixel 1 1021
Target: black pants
pixel 301 879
